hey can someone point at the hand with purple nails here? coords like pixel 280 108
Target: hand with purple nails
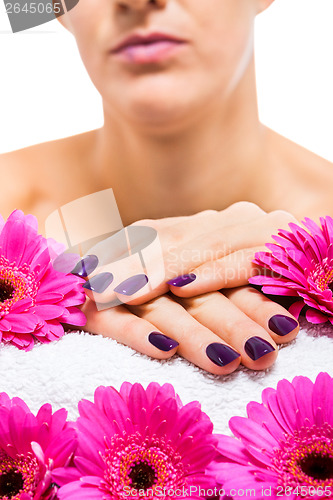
pixel 201 308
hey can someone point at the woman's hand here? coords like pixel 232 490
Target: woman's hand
pixel 189 256
pixel 215 330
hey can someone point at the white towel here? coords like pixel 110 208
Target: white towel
pixel 63 372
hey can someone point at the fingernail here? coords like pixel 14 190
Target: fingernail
pixel 162 342
pixel 257 347
pixel 86 266
pixel 282 325
pixel 132 284
pixel 221 354
pixel 99 283
pixel 183 280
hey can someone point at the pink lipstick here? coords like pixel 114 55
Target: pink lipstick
pixel 147 49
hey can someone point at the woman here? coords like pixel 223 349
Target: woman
pixel 181 135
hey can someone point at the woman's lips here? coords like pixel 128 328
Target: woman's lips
pixel 149 49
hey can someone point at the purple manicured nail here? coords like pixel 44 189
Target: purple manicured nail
pixel 132 284
pixel 183 280
pixel 221 354
pixel 99 283
pixel 162 342
pixel 257 347
pixel 86 266
pixel 282 325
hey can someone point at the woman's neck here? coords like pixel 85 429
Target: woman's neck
pixel 210 164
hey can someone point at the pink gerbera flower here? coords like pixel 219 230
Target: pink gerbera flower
pixel 286 444
pixel 302 265
pixel 31 448
pixel 35 298
pixel 140 442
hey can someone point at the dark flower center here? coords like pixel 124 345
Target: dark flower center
pixel 11 483
pixel 6 290
pixel 318 467
pixel 142 475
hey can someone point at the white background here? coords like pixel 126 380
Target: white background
pixel 46 94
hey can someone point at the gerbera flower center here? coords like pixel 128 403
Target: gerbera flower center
pixel 322 275
pixel 306 458
pixel 11 483
pixel 142 476
pixel 16 283
pixel 17 475
pixel 140 464
pixel 6 290
pixel 319 467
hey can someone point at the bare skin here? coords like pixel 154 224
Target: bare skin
pixel 291 178
pixel 170 149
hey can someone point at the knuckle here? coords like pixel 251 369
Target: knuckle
pixel 209 212
pixel 281 218
pixel 247 207
pixel 200 304
pixel 154 223
pixel 173 236
pixel 148 309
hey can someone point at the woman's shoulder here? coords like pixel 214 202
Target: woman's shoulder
pixel 55 150
pixel 297 156
pixel 30 175
pixel 303 179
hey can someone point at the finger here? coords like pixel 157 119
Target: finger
pixel 197 343
pixel 220 315
pixel 230 265
pixel 280 325
pixel 215 245
pixel 231 271
pixel 125 262
pixel 120 324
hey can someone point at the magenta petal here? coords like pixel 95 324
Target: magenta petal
pixel 260 414
pixel 13 240
pixel 88 467
pixel 287 403
pixel 89 411
pixel 113 405
pixel 322 394
pixel 22 323
pixel 296 308
pixel 5 325
pixel 76 317
pixel 274 407
pixel 251 433
pixel 315 316
pixel 64 475
pixel 232 449
pixel 279 290
pixel 79 491
pixel 48 311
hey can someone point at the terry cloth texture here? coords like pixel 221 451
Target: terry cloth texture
pixel 63 372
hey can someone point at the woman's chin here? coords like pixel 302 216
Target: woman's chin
pixel 156 103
